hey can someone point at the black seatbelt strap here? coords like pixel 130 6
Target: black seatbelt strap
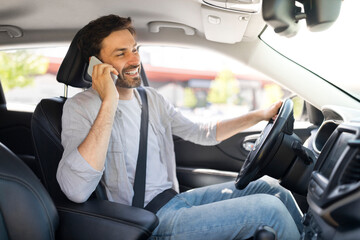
pixel 140 173
pixel 143 76
pixel 160 200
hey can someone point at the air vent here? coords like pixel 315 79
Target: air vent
pixel 352 172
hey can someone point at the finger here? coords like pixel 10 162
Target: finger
pixel 114 71
pixel 102 71
pixel 110 69
pixel 277 106
pixel 107 68
pixel 97 70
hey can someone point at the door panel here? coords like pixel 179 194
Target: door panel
pixel 199 166
pixel 190 178
pixel 224 156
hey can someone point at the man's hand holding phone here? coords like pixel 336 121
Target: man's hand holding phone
pixel 104 77
pixel 94 147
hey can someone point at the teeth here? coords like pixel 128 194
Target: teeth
pixel 132 72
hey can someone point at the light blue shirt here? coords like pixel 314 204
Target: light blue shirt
pixel 156 175
pixel 78 179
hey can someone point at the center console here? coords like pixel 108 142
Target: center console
pixel 334 188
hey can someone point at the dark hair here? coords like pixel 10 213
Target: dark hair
pixel 92 35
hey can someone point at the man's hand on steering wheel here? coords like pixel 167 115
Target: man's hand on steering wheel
pixel 272 111
pixel 268 142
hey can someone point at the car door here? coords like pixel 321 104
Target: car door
pixel 27 75
pixel 199 166
pixel 15 131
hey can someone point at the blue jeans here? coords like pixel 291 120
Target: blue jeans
pixel 223 212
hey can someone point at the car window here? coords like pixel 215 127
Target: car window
pixel 201 83
pixel 205 84
pixel 29 75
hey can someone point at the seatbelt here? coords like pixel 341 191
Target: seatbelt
pixel 140 173
pixel 143 76
pixel 160 200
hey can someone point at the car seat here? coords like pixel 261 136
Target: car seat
pixel 46 130
pixel 26 209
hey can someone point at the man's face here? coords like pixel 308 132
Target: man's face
pixel 119 49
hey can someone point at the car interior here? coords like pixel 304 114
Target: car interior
pixel 318 162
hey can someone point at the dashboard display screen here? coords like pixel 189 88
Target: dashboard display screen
pixel 337 149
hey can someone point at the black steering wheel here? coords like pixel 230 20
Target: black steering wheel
pixel 266 145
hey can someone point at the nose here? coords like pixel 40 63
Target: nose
pixel 134 58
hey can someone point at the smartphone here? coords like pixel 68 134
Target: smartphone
pixel 95 61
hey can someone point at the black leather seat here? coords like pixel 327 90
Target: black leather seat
pixel 46 121
pixel 46 130
pixel 26 209
pixel 113 219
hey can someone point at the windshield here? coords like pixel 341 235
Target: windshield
pixel 332 54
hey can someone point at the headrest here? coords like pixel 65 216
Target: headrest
pixel 73 69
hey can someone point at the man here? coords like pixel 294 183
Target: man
pixel 101 135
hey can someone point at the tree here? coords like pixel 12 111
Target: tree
pixel 18 68
pixel 189 98
pixel 223 88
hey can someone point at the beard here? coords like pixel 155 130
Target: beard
pixel 125 81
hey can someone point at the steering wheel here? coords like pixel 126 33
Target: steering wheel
pixel 266 145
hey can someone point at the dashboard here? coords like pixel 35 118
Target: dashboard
pixel 334 187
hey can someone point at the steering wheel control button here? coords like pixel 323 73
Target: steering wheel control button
pixel 248 146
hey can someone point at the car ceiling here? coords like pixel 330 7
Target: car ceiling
pixel 49 21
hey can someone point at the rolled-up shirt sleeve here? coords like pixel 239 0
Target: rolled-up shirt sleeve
pixel 203 133
pixel 77 179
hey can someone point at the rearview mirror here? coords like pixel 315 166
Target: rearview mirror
pixel 283 15
pixel 321 14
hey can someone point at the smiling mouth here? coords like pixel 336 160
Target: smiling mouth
pixel 133 72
